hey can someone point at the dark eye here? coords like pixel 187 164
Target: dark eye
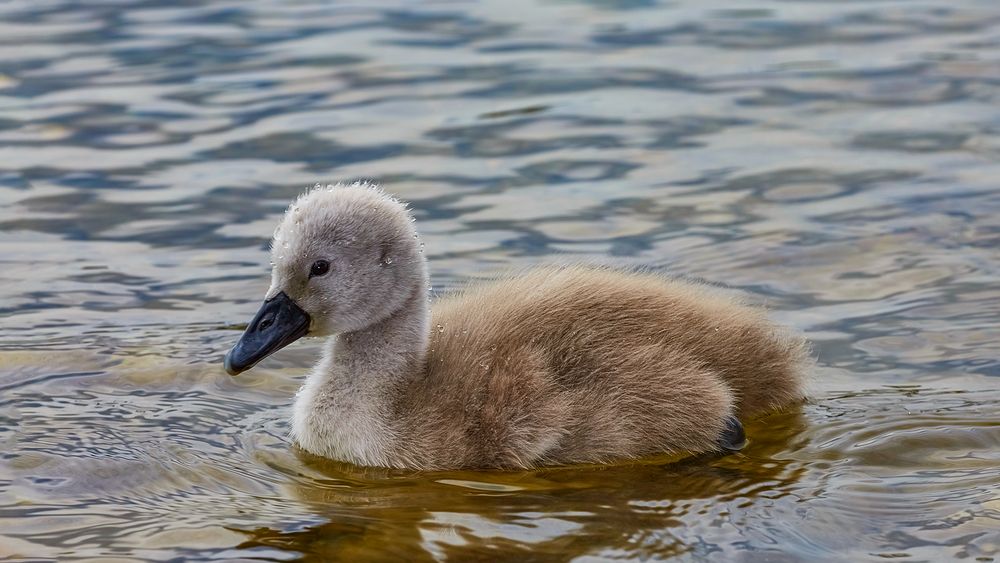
pixel 319 268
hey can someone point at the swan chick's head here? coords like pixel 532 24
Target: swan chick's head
pixel 343 258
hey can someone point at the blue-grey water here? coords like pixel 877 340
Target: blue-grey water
pixel 839 160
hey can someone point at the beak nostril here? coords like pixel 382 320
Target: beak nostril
pixel 278 323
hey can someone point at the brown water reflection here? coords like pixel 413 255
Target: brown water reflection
pixel 838 160
pixel 476 515
pixel 791 495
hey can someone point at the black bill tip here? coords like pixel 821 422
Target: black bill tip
pixel 228 364
pixel 278 323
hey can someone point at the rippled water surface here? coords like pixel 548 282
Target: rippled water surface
pixel 840 160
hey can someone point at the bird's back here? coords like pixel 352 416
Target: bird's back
pixel 580 364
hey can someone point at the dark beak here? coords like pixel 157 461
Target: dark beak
pixel 278 323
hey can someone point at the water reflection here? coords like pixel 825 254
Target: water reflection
pixel 837 160
pixel 473 514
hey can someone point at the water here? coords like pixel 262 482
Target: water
pixel 837 159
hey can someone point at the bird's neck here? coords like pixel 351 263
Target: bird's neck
pixel 387 352
pixel 345 409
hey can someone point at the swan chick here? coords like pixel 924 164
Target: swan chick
pixel 557 365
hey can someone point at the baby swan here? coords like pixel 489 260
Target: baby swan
pixel 560 365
